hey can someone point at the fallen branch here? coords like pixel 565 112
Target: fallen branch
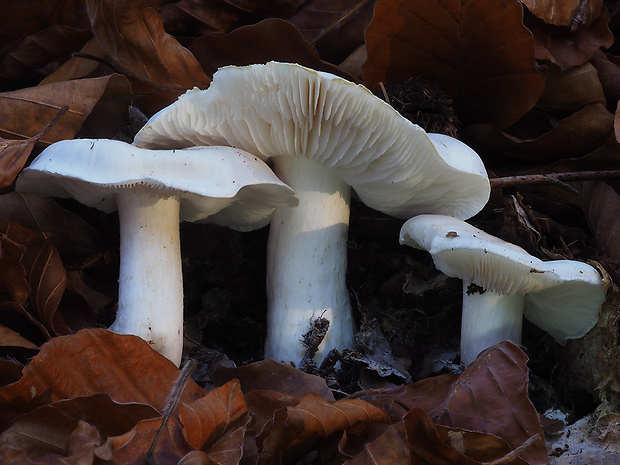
pixel 554 179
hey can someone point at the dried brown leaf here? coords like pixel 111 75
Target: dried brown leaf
pixel 294 430
pixel 334 28
pixel 600 204
pixel 461 47
pixel 576 135
pixel 89 362
pixel 491 397
pixel 13 339
pixel 567 48
pixel 25 112
pixel 271 375
pixel 15 153
pixel 13 280
pixel 608 70
pixel 132 447
pixel 206 419
pixel 74 238
pixel 84 64
pixel 10 371
pixel 47 280
pixel 49 428
pixel 565 12
pixel 133 36
pixel 43 47
pixel 571 90
pixel 271 39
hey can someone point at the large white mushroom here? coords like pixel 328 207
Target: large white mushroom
pixel 153 190
pixel 502 283
pixel 324 135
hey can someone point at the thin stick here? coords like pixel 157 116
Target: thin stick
pixel 172 402
pixel 556 179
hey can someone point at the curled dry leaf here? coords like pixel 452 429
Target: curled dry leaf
pixel 88 362
pixel 190 17
pixel 491 397
pixel 132 34
pixel 132 447
pixel 576 135
pixel 206 419
pixel 461 47
pixel 295 430
pixel 13 339
pixel 608 70
pixel 40 49
pixel 567 48
pixel 271 39
pixel 565 12
pixel 49 428
pixel 571 90
pixel 271 375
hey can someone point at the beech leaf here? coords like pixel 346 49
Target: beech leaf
pixel 132 34
pixel 271 375
pixel 461 47
pixel 93 361
pixel 25 112
pixel 293 429
pixel 208 418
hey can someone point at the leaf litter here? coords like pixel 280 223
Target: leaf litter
pixel 531 86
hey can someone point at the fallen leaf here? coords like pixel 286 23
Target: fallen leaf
pixel 11 338
pixel 271 375
pixel 565 12
pixel 567 48
pixel 608 70
pixel 70 233
pixel 334 28
pixel 206 419
pixel 460 47
pixel 13 280
pixel 294 430
pixel 272 39
pixel 89 362
pixel 47 429
pixel 571 90
pixel 578 134
pixel 491 397
pixel 132 447
pixel 133 36
pixel 40 49
pixel 25 112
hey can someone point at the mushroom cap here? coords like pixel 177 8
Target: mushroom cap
pixel 283 109
pixel 563 297
pixel 222 185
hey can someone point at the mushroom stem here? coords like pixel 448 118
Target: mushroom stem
pixel 488 318
pixel 307 262
pixel 150 301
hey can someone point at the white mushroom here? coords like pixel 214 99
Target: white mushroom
pixel 502 283
pixel 324 135
pixel 153 191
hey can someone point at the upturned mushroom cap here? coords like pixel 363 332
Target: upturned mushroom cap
pixel 281 109
pixel 563 296
pixel 225 186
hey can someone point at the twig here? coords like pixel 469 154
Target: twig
pixel 554 179
pixel 172 402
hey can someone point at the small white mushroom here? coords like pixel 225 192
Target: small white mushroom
pixel 153 190
pixel 502 283
pixel 325 135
